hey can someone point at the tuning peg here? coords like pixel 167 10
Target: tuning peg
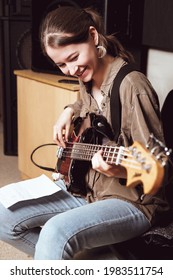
pixel 168 152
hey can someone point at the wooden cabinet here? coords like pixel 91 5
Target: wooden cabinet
pixel 40 100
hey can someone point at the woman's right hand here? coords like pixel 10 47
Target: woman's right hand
pixel 61 129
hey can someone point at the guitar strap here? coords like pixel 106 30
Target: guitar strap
pixel 115 104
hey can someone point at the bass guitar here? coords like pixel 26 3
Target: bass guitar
pixel 143 165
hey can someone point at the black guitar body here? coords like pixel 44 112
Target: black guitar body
pixel 99 129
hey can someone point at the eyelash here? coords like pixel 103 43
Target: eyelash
pixel 63 64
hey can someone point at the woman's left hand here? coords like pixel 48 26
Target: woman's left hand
pixel 110 170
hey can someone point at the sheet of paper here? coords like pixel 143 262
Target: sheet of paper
pixel 28 189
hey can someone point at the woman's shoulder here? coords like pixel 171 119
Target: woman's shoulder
pixel 138 82
pixel 137 88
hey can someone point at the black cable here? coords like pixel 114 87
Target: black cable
pixel 40 166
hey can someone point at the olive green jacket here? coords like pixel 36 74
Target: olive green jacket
pixel 140 117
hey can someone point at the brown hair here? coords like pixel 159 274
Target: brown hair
pixel 70 25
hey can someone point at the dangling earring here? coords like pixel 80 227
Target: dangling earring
pixel 102 51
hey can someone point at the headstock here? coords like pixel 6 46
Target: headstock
pixel 147 166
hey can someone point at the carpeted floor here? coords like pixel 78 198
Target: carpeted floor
pixel 8 174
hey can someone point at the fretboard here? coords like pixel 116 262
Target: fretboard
pixel 82 151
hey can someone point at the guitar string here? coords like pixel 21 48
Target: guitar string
pixel 75 147
pixel 92 146
pixel 128 163
pixel 82 151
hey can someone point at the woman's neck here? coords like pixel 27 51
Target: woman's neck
pixel 104 66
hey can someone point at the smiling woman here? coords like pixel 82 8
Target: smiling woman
pixel 74 60
pixel 78 57
pixel 94 208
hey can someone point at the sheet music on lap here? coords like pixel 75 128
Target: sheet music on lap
pixel 28 189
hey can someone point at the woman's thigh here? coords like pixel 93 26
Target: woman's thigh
pixel 92 225
pixel 33 213
pixel 21 224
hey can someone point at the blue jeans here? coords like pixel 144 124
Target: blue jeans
pixel 59 226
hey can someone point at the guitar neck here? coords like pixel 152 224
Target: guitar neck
pixel 83 151
pixel 141 165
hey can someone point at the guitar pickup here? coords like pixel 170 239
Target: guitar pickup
pixel 59 153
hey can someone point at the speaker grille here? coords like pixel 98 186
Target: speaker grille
pixel 23 50
pixel 16 55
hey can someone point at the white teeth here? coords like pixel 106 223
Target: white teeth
pixel 81 72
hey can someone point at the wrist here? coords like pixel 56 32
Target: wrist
pixel 69 110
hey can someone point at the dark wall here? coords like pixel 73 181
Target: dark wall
pixel 1 88
pixel 15 23
pixel 123 17
pixel 158 24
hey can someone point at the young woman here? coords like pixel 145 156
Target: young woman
pixel 102 210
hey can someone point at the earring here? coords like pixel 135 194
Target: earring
pixel 102 51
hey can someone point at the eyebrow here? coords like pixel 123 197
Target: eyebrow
pixel 67 58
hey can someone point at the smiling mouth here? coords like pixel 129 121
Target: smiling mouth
pixel 81 73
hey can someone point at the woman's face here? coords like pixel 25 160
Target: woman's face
pixel 79 60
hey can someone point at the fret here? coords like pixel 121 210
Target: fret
pixel 114 155
pixel 107 154
pixel 88 152
pixel 82 151
pixel 75 152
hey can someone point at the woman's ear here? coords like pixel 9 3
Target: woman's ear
pixel 94 34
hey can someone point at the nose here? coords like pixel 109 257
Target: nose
pixel 72 69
